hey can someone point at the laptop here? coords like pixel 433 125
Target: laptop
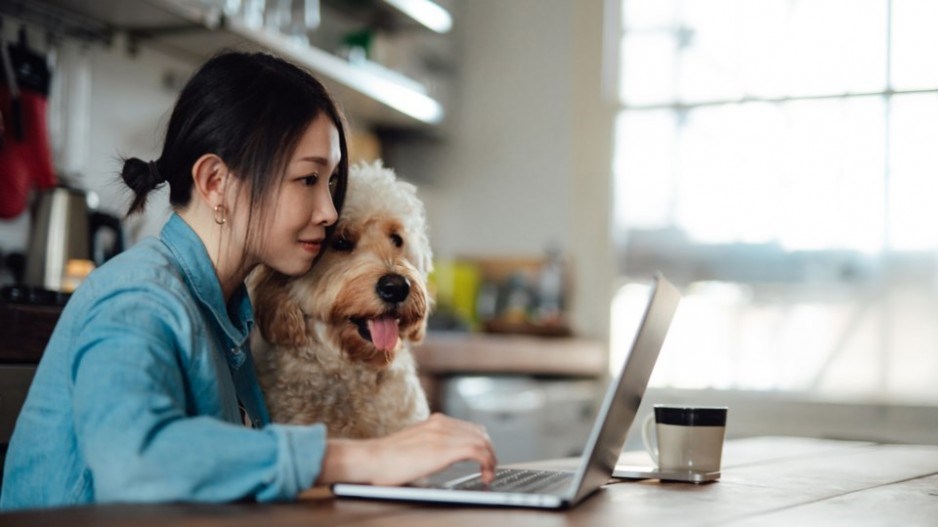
pixel 548 488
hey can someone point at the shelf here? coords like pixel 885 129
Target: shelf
pixel 365 93
pixel 443 353
pixel 428 14
pixel 404 100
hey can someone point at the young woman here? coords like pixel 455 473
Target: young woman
pixel 146 391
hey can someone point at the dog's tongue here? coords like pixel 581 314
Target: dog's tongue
pixel 383 333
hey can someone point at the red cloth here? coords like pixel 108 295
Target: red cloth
pixel 24 163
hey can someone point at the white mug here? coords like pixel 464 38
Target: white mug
pixel 688 438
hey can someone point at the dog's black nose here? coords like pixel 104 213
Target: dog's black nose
pixel 393 288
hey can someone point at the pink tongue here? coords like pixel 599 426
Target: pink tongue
pixel 383 333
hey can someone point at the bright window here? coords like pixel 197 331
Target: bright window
pixel 779 160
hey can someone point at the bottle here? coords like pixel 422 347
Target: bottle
pixel 551 289
pixel 517 301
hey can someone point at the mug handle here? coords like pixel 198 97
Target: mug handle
pixel 650 447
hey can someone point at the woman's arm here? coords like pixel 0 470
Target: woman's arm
pixel 143 438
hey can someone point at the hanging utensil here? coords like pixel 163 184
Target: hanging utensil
pixel 25 156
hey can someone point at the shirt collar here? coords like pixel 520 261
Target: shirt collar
pixel 194 260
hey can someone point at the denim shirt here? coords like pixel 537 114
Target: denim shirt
pixel 136 396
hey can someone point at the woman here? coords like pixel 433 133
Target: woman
pixel 146 391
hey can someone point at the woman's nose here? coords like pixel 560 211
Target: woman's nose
pixel 324 213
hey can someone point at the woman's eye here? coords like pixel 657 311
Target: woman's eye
pixel 340 243
pixel 397 240
pixel 310 180
pixel 333 183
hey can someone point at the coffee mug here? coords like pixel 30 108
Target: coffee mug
pixel 689 438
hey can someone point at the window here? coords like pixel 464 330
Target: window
pixel 779 160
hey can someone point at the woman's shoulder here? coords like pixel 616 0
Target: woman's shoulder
pixel 150 259
pixel 147 266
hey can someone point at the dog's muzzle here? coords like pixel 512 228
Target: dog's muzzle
pixel 393 288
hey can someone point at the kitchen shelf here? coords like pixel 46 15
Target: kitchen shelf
pixel 366 93
pixel 444 353
pixel 410 103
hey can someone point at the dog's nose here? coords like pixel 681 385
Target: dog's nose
pixel 393 288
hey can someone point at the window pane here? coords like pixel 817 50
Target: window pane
pixel 724 59
pixel 783 47
pixel 832 173
pixel 647 14
pixel 728 176
pixel 837 46
pixel 805 174
pixel 914 41
pixel 644 168
pixel 647 72
pixel 913 177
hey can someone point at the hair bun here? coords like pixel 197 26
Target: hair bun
pixel 141 177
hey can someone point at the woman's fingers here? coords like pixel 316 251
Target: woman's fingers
pixel 409 454
pixel 432 446
pixel 481 449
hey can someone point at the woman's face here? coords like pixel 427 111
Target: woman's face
pixel 301 209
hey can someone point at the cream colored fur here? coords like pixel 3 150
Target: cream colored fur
pixel 312 361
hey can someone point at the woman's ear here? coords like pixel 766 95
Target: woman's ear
pixel 279 318
pixel 210 177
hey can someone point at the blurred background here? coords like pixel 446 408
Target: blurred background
pixel 773 158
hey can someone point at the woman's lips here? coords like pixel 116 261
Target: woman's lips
pixel 311 246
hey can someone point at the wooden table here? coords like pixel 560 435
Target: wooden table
pixel 766 481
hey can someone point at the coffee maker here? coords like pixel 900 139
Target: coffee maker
pixel 66 232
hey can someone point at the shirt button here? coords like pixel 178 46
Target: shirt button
pixel 236 351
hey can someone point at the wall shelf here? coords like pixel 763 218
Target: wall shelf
pixel 368 95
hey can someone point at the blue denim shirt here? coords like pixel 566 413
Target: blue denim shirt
pixel 136 397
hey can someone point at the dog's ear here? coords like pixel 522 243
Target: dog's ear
pixel 279 318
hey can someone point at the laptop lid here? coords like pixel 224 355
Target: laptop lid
pixel 625 393
pixel 606 439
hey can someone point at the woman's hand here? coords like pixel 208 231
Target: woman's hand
pixel 410 454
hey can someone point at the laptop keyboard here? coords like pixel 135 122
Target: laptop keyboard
pixel 516 480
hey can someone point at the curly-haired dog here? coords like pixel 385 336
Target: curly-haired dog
pixel 332 344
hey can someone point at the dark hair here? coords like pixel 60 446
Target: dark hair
pixel 249 109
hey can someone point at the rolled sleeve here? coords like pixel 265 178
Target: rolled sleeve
pixel 300 453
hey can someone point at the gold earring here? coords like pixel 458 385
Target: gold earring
pixel 221 215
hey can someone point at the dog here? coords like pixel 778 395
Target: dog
pixel 332 346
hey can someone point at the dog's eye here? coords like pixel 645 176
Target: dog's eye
pixel 343 244
pixel 397 240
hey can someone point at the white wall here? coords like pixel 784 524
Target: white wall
pixel 499 183
pixel 132 99
pixel 525 160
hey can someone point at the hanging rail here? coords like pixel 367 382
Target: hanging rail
pixel 58 22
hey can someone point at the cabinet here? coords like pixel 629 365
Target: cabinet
pixel 446 355
pixel 536 396
pixel 24 331
pixel 372 95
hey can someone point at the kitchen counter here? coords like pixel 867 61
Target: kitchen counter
pixel 452 353
pixel 444 355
